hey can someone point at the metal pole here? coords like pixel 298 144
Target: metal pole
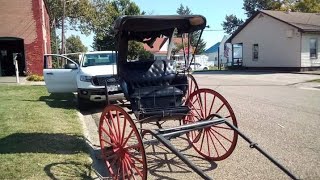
pixel 219 57
pixel 255 145
pixel 15 63
pixel 62 26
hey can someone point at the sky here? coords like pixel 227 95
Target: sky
pixel 214 11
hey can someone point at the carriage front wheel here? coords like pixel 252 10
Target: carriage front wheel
pixel 121 145
pixel 217 142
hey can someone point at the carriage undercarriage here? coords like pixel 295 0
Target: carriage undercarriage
pixel 157 93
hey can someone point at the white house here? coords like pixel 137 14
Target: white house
pixel 279 40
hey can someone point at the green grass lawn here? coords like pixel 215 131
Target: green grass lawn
pixel 40 135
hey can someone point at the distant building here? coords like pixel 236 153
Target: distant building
pixel 160 50
pixel 213 54
pixel 222 51
pixel 279 40
pixel 25 30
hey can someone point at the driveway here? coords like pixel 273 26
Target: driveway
pixel 276 110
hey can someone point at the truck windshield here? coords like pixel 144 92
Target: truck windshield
pixel 98 59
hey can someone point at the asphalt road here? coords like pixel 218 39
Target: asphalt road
pixel 277 111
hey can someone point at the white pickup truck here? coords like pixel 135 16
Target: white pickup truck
pixel 87 77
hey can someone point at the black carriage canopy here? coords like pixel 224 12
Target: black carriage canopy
pixel 159 24
pixel 147 28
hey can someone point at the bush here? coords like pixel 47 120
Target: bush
pixel 35 77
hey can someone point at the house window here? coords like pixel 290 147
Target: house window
pixel 313 48
pixel 255 52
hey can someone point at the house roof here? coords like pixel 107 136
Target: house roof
pixel 213 48
pixel 156 45
pixel 305 22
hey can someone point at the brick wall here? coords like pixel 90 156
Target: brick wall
pixel 35 50
pixel 25 21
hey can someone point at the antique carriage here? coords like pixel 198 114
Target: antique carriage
pixel 157 93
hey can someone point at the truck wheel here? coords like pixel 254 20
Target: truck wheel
pixel 82 104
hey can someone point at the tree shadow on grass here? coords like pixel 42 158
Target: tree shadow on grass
pixel 42 143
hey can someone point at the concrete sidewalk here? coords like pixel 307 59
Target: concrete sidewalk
pixel 23 81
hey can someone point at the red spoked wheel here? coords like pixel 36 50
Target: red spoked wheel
pixel 192 86
pixel 121 145
pixel 217 142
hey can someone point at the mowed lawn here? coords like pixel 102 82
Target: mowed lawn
pixel 40 135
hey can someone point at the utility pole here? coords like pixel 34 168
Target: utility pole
pixel 62 26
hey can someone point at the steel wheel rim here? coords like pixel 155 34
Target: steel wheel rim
pixel 217 142
pixel 125 156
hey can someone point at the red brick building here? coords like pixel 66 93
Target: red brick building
pixel 24 29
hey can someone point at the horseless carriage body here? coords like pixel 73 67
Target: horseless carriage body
pixel 158 93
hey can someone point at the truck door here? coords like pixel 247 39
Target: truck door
pixel 60 73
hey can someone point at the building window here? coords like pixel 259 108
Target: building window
pixel 255 52
pixel 313 48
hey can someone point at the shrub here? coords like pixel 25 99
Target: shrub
pixel 35 77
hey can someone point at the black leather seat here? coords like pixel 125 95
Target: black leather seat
pixel 151 84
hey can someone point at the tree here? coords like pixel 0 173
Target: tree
pixel 76 11
pixel 310 6
pixel 252 6
pixel 74 44
pixel 183 10
pixel 195 36
pixel 231 24
pixel 102 25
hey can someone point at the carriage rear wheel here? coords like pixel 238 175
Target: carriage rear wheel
pixel 192 86
pixel 121 145
pixel 216 142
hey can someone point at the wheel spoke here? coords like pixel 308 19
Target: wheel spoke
pixel 207 141
pixel 110 143
pixel 196 110
pixel 115 127
pixel 218 140
pixel 220 108
pixel 213 144
pixel 127 139
pixel 106 132
pixel 111 129
pixel 123 130
pixel 132 156
pixel 133 165
pixel 214 97
pixel 118 122
pixel 221 135
pixel 205 104
pixel 201 141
